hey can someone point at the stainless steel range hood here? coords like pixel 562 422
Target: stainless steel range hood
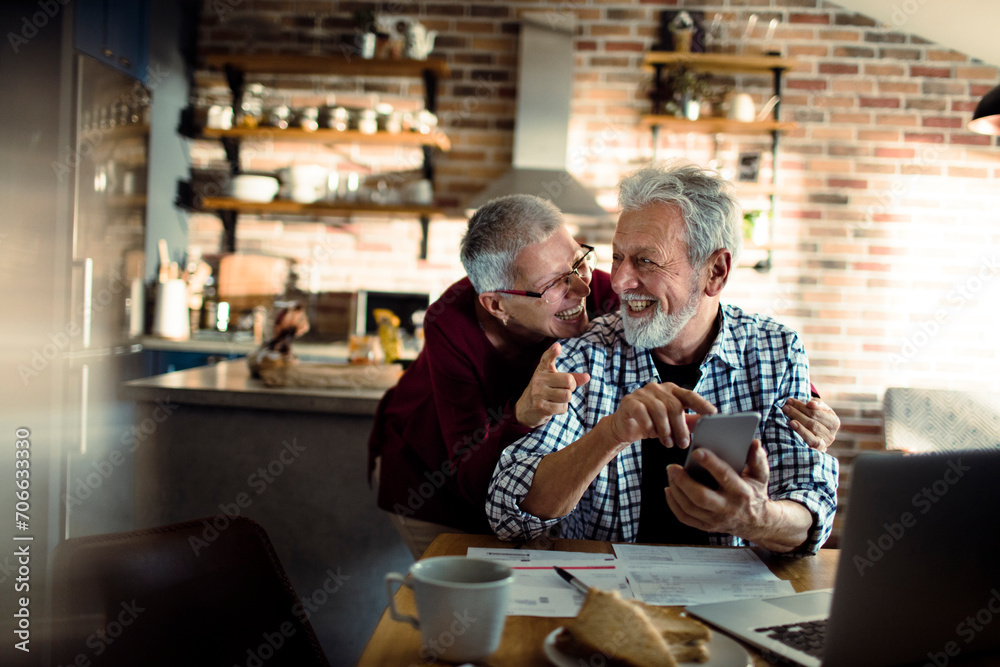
pixel 541 129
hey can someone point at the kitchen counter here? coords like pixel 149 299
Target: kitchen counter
pixel 228 384
pixel 335 351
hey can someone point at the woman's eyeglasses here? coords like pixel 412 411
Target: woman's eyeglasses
pixel 556 290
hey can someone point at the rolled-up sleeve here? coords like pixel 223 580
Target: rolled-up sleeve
pixel 515 472
pixel 798 472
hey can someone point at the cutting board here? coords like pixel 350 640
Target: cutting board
pixel 339 376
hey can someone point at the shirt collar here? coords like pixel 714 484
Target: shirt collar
pixel 727 347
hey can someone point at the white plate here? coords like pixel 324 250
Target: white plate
pixel 723 651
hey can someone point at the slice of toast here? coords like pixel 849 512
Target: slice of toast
pixel 622 632
pixel 674 624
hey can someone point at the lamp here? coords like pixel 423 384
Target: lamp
pixel 986 119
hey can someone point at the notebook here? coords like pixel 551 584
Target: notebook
pixel 918 578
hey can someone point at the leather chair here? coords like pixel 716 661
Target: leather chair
pixel 204 592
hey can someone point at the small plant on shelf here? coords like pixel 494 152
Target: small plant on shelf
pixel 685 91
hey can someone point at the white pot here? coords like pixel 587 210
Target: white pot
pixel 741 107
pixel 253 187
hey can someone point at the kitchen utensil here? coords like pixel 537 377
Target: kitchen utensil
pixel 253 187
pixel 307 183
pixel 172 319
pixel 766 109
pixel 419 41
pixel 164 274
pixel 771 27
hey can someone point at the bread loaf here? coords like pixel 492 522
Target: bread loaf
pixel 630 633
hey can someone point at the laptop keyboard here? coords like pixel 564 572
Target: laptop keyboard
pixel 806 637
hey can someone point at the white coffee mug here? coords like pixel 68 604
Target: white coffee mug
pixel 461 605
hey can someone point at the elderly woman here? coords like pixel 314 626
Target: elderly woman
pixel 486 375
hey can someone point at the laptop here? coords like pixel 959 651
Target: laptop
pixel 918 579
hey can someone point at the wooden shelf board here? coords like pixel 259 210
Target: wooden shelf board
pixel 326 136
pixel 714 125
pixel 318 208
pixel 337 64
pixel 718 62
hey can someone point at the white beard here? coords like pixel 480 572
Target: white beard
pixel 662 328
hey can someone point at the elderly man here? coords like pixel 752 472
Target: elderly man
pixel 608 468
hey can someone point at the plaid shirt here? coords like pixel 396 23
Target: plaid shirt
pixel 755 364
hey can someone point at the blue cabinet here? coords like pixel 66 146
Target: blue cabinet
pixel 116 32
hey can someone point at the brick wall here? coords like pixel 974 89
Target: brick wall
pixel 886 241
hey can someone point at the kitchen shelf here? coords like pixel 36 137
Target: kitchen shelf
pixel 717 62
pixel 714 125
pixel 660 61
pixel 237 68
pixel 332 64
pixel 326 136
pixel 318 208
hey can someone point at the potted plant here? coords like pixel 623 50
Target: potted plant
pixel 686 90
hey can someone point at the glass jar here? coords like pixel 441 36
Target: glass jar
pixel 368 122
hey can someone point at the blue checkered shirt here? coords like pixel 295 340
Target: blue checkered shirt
pixel 755 364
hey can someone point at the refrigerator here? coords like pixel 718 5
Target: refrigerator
pixel 106 316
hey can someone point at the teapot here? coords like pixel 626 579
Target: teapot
pixel 419 41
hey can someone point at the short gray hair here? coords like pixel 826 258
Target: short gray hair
pixel 713 218
pixel 498 231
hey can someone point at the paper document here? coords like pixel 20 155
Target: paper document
pixel 539 591
pixel 664 575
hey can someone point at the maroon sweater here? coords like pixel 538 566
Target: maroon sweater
pixel 441 429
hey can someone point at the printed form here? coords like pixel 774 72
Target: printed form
pixel 664 575
pixel 539 591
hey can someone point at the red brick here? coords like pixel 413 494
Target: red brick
pixel 839 36
pixel 887 250
pixel 899 54
pixel 837 68
pixel 870 266
pixel 807 84
pixel 864 168
pixel 953 56
pixel 820 19
pixel 924 137
pixel 939 121
pixel 807 50
pixel 857 184
pixel 854 52
pixel 852 118
pixel 933 72
pixel 968 172
pixel 898 87
pixel 636 47
pixel 978 90
pixel 879 102
pixel 878 135
pixel 885 70
pixel 896 119
pixel 963 106
pixel 971 139
pixel 976 72
pixel 853 85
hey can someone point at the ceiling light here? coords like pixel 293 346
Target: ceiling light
pixel 986 119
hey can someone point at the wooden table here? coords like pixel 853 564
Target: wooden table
pixel 395 643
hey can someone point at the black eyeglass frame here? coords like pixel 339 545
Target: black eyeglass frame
pixel 566 276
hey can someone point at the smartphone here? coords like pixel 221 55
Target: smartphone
pixel 728 436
